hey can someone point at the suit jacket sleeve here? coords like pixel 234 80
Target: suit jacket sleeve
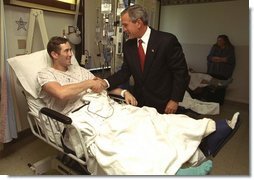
pixel 178 67
pixel 120 77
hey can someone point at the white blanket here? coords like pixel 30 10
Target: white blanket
pixel 196 80
pixel 198 106
pixel 127 140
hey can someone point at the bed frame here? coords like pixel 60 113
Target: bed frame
pixel 62 161
pixel 47 124
pixel 57 124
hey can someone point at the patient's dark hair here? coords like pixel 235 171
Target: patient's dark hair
pixel 54 44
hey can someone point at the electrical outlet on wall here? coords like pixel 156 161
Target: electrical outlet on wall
pixel 84 59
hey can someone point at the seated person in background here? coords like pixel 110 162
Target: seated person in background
pixel 220 66
pixel 221 59
pixel 63 87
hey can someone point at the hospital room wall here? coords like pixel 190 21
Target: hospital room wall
pixel 55 24
pixel 90 20
pixel 197 27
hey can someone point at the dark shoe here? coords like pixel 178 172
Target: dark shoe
pixel 213 143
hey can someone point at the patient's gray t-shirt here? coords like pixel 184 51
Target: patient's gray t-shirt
pixel 74 74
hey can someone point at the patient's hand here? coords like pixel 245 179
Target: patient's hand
pixel 130 99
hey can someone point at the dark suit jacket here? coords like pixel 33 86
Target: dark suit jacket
pixel 165 73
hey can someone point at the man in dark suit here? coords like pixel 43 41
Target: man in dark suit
pixel 162 82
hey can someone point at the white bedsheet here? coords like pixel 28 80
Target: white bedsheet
pixel 197 78
pixel 128 140
pixel 198 106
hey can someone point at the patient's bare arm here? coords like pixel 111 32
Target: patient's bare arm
pixel 65 92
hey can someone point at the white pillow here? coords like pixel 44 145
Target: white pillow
pixel 26 68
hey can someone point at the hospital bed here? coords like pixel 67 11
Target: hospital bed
pixel 204 87
pixel 72 140
pixel 47 124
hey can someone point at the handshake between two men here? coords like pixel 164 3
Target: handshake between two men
pixel 98 85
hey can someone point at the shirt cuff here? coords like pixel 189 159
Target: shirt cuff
pixel 107 82
pixel 122 92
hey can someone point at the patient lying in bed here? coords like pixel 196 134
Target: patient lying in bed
pixel 122 138
pixel 199 80
pixel 206 88
pixel 196 97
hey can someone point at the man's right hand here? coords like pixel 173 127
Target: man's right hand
pixel 99 85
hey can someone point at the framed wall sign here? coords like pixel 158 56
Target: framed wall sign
pixel 61 6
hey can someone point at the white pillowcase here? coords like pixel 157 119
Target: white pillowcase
pixel 26 68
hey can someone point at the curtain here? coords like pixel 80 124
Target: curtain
pixel 8 129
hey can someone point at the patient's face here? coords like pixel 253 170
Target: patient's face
pixel 64 57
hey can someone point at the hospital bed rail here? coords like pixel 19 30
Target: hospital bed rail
pixel 51 127
pixel 53 123
pixel 117 98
